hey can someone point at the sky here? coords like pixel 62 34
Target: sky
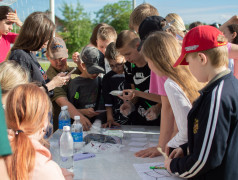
pixel 208 11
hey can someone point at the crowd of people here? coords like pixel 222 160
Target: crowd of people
pixel 183 80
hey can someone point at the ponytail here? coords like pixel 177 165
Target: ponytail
pixel 22 162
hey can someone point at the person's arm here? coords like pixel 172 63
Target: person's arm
pixel 149 96
pixel 3 169
pixel 110 119
pixel 135 93
pixel 63 101
pixel 232 20
pixel 166 130
pixel 109 114
pixel 166 123
pixel 77 61
pixel 89 112
pixel 233 54
pixel 181 106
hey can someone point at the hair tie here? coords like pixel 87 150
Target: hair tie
pixel 19 131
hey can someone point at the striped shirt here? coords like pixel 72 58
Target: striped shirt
pixel 212 133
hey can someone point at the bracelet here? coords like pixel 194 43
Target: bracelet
pixel 50 93
pixel 45 87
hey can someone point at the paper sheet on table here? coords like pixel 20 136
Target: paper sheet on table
pixel 146 173
pixel 137 144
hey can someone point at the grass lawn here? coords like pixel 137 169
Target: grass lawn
pixel 45 64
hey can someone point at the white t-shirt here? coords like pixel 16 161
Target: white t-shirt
pixel 181 106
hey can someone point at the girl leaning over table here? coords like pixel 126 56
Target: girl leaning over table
pixel 161 51
pixel 35 34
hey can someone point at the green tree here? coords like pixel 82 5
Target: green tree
pixel 77 27
pixel 117 15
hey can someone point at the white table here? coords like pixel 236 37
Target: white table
pixel 111 166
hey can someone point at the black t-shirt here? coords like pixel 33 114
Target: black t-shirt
pixel 140 77
pixel 83 94
pixel 112 81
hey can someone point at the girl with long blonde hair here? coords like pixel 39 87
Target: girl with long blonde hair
pixel 161 50
pixel 28 110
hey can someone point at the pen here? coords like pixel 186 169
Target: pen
pixel 156 167
pixel 161 151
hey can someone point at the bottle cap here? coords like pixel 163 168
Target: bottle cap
pixel 76 118
pixel 66 128
pixel 64 108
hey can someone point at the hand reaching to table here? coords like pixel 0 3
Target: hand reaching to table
pixel 85 123
pixel 110 123
pixel 149 152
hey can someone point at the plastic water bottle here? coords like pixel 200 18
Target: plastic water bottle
pixel 96 127
pixel 64 117
pixel 66 149
pixel 77 133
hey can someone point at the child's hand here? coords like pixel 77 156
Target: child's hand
pixel 167 162
pixel 128 94
pixel 85 122
pixel 152 113
pixel 11 16
pixel 127 108
pixel 110 122
pixel 167 148
pixel 178 152
pixel 89 112
pixel 150 152
pixel 75 57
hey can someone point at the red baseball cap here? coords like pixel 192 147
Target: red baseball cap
pixel 200 38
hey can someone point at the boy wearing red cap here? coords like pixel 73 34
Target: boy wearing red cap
pixel 211 151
